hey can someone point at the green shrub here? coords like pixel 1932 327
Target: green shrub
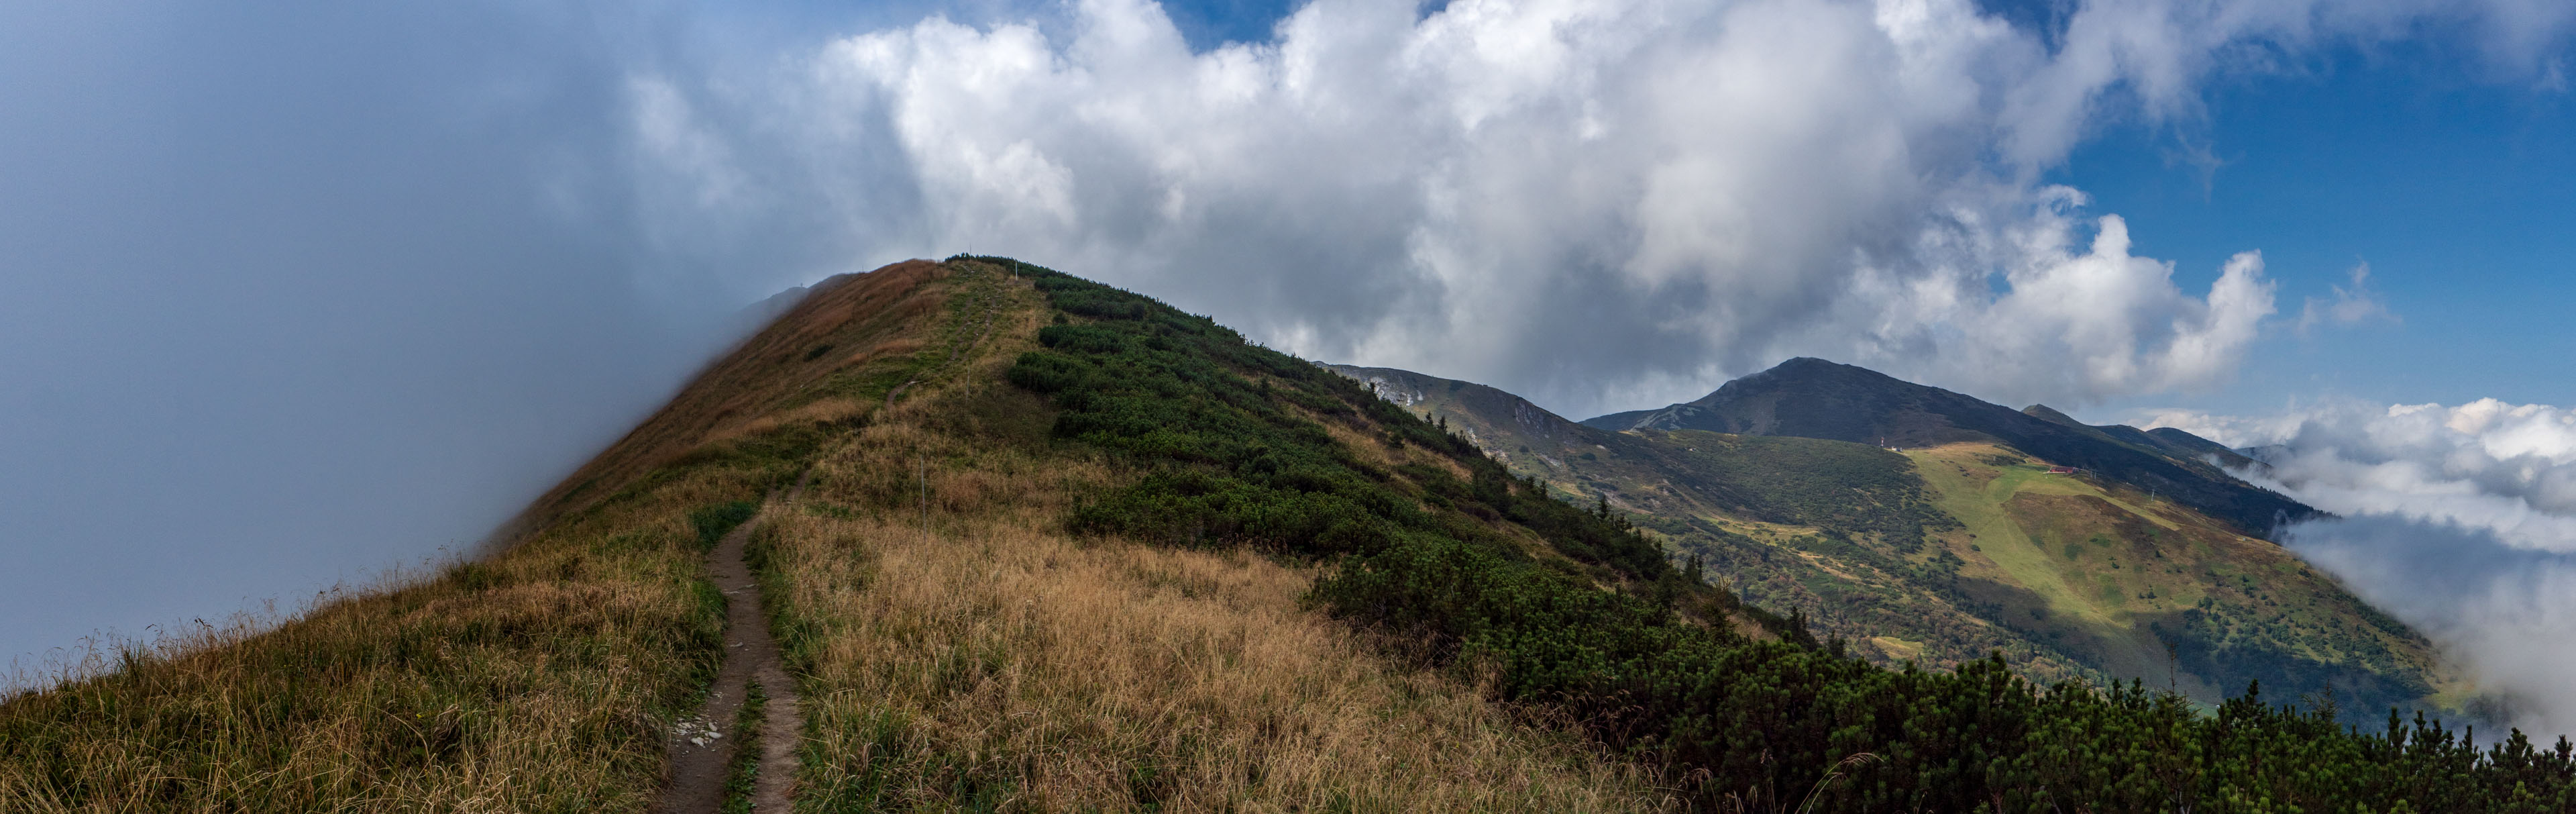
pixel 1222 431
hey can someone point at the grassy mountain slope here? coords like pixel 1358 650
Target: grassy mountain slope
pixel 2142 586
pixel 539 678
pixel 998 660
pixel 1034 543
pixel 966 644
pixel 1948 553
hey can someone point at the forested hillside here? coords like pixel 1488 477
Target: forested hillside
pixel 1947 554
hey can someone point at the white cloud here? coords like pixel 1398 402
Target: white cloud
pixel 2229 430
pixel 2351 305
pixel 2507 469
pixel 2073 326
pixel 1602 204
pixel 2460 520
pixel 2507 613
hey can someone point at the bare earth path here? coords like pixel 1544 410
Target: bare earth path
pixel 700 750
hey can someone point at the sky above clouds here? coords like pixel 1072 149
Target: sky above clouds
pixel 292 292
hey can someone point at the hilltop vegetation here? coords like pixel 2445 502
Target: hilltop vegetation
pixel 1034 543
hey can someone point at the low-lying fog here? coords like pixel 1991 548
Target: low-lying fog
pixel 2459 520
pixel 287 299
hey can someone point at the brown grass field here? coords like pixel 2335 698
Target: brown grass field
pixel 986 661
pixel 537 681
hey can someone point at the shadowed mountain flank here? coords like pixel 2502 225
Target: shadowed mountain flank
pixel 1814 398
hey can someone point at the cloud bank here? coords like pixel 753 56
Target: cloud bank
pixel 289 296
pixel 2460 520
pixel 1603 204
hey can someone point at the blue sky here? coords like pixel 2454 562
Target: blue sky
pixel 2457 188
pixel 1216 22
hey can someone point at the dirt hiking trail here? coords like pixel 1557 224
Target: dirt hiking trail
pixel 703 747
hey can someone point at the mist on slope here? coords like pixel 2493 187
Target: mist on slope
pixel 292 294
pixel 2460 520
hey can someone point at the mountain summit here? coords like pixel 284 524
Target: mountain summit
pixel 1814 398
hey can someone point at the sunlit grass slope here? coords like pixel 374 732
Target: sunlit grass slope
pixel 2142 585
pixel 964 649
pixel 988 660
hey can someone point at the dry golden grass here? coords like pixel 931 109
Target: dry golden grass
pixel 992 663
pixel 541 680
pixel 1377 453
pixel 996 664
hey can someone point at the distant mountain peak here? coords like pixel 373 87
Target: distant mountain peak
pixel 1501 423
pixel 1815 398
pixel 2051 415
pixel 1807 368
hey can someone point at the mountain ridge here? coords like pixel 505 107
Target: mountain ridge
pixel 1815 398
pixel 1956 546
